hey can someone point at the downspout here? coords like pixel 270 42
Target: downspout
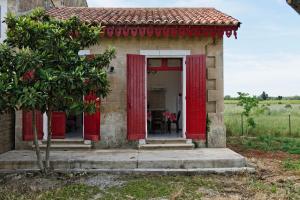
pixel 51 1
pixel 50 6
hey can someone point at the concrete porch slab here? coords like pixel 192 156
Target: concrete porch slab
pixel 212 160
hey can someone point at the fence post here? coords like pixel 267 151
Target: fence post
pixel 290 128
pixel 242 124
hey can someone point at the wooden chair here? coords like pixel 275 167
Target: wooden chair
pixel 157 121
pixel 174 122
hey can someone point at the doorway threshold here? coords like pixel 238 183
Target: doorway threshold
pixel 66 140
pixel 67 144
pixel 165 135
pixel 166 144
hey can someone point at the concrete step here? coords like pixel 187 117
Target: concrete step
pixel 68 141
pixel 122 159
pixel 176 146
pixel 166 141
pixel 66 146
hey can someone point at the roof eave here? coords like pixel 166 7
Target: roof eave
pixel 294 4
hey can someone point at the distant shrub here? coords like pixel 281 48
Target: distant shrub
pixel 263 109
pixel 288 106
pixel 279 102
pixel 267 110
pixel 251 122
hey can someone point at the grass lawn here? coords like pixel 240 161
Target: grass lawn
pixel 267 143
pixel 150 187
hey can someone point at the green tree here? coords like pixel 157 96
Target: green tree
pixel 227 97
pixel 49 73
pixel 248 103
pixel 7 63
pixel 264 96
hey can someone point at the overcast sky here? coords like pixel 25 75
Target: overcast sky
pixel 266 55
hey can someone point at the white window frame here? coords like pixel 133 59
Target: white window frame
pixel 169 54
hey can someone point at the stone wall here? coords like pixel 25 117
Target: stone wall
pixel 113 113
pixel 216 136
pixel 114 107
pixel 6 132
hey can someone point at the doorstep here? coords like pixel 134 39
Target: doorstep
pixel 165 144
pixel 210 160
pixel 66 144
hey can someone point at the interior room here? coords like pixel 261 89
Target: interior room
pixel 164 100
pixel 74 126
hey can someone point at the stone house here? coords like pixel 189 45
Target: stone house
pixel 166 81
pixel 19 7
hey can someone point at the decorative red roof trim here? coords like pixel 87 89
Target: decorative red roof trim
pixel 171 31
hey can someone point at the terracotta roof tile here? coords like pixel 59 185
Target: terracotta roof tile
pixel 145 16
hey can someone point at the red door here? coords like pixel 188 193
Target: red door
pixel 92 121
pixel 58 125
pixel 136 97
pixel 196 97
pixel 27 125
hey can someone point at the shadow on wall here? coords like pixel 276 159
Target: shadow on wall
pixel 7 135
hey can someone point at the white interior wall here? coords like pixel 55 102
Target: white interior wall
pixel 171 81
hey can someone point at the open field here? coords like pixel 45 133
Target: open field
pixel 273 119
pixel 267 102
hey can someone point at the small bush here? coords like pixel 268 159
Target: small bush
pixel 251 123
pixel 288 106
pixel 279 102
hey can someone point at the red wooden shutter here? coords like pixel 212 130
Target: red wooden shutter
pixel 136 114
pixel 27 125
pixel 58 125
pixel 196 97
pixel 92 121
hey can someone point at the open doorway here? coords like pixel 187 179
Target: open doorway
pixel 164 97
pixel 74 126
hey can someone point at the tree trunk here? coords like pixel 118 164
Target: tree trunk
pixel 36 142
pixel 49 114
